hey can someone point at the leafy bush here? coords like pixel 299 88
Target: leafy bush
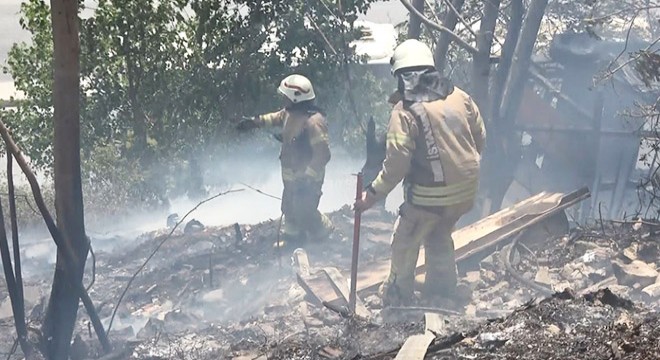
pixel 164 82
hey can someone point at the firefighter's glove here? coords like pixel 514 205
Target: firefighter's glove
pixel 247 124
pixel 368 200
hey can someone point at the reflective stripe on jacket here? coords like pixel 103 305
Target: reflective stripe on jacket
pixel 436 147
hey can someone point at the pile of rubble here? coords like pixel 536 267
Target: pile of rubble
pixel 214 293
pixel 624 259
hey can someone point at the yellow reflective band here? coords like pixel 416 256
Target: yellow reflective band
pixel 445 190
pixel 444 201
pixel 399 139
pixel 480 123
pixel 265 119
pixel 318 139
pixel 310 172
pixel 288 175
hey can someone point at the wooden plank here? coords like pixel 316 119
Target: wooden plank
pixel 415 347
pixel 316 285
pixel 599 285
pixel 302 262
pixel 340 285
pixel 485 233
pixel 433 323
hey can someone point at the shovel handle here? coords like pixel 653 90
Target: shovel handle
pixel 352 298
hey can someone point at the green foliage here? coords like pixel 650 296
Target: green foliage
pixel 163 79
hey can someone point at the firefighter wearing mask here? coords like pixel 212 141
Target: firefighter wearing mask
pixel 434 142
pixel 303 157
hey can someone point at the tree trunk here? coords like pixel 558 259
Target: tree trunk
pixel 504 66
pixel 449 20
pixel 521 60
pixel 505 146
pixel 414 22
pixel 63 304
pixel 481 60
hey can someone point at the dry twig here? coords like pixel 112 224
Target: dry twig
pixel 261 192
pixel 439 27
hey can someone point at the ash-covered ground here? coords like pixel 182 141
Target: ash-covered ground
pixel 215 293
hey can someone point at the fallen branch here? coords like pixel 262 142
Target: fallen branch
pixel 55 233
pixel 261 192
pixel 160 244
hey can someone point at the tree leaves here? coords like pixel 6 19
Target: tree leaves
pixel 163 78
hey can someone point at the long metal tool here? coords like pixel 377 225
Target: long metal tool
pixel 352 298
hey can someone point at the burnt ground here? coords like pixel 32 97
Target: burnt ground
pixel 212 294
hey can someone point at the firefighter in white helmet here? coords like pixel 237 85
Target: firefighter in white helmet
pixel 434 142
pixel 303 157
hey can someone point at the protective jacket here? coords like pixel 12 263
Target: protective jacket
pixel 434 141
pixel 435 147
pixel 305 151
pixel 304 155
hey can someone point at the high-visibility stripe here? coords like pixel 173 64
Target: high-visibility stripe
pixel 311 172
pixel 432 148
pixel 318 139
pixel 399 139
pixel 445 190
pixel 444 195
pixel 288 175
pixel 269 119
pixel 444 201
pixel 265 120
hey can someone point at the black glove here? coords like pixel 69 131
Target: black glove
pixel 247 124
pixel 278 137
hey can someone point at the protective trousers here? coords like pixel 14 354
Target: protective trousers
pixel 413 228
pixel 302 219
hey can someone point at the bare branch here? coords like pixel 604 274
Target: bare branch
pixel 261 192
pixel 435 15
pixel 460 18
pixel 622 11
pixel 438 27
pixel 610 73
pixel 325 38
pixel 55 233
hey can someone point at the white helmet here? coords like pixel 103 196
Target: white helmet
pixel 297 88
pixel 411 53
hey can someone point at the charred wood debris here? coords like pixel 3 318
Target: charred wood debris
pixel 221 293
